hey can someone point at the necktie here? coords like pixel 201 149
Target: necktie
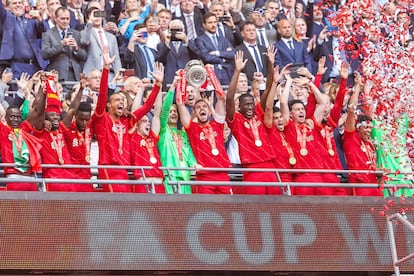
pixel 262 39
pixel 176 45
pixel 79 16
pixel 190 27
pixel 101 40
pixel 215 43
pixel 63 34
pixel 291 46
pixel 220 32
pixel 257 58
pixel 148 59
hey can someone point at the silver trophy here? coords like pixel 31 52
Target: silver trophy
pixel 195 73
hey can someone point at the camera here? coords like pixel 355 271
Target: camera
pixel 261 11
pixel 69 34
pixel 224 19
pixel 99 13
pixel 174 34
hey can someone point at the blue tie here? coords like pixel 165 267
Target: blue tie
pixel 147 57
pixel 257 58
pixel 262 39
pixel 215 43
pixel 220 32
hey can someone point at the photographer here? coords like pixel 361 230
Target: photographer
pixel 226 27
pixel 176 51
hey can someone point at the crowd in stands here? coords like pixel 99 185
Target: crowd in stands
pixel 309 85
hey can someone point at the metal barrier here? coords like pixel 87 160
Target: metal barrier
pixel 286 186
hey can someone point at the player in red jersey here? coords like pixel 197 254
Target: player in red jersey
pixel 302 136
pixel 111 128
pixel 19 147
pixel 358 148
pixel 47 106
pixel 144 151
pixel 254 143
pixel 207 141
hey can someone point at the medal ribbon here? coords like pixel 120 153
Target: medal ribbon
pixel 370 154
pixel 58 142
pixel 287 146
pixel 18 141
pixel 302 137
pixel 209 133
pixel 119 129
pixel 328 139
pixel 255 131
pixel 149 144
pixel 178 143
pixel 87 141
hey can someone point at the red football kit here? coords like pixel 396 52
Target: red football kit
pixel 8 137
pixel 207 142
pixel 144 152
pixel 79 147
pixel 255 151
pixel 360 155
pixel 307 150
pixel 285 157
pixel 113 137
pixel 55 151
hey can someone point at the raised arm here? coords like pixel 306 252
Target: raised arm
pixel 36 117
pixel 353 104
pixel 271 52
pixel 284 107
pixel 74 105
pixel 321 102
pixel 103 88
pixel 339 100
pixel 158 76
pixel 239 64
pixel 185 116
pixel 155 123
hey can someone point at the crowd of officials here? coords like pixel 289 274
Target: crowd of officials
pixel 102 81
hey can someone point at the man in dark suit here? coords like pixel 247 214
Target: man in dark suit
pixel 176 51
pixel 288 49
pixel 76 13
pixel 254 53
pixel 192 17
pixel 61 45
pixel 226 27
pixel 19 45
pixel 52 5
pixel 217 52
pixel 138 55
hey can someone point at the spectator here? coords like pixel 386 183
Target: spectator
pixel 290 50
pixel 217 52
pixel 61 46
pixel 255 54
pixel 153 30
pixel 287 10
pixel 52 6
pixel 272 13
pixel 192 17
pixel 97 41
pixel 19 47
pixel 75 8
pixel 164 18
pixel 176 51
pixel 266 35
pixel 230 10
pixel 226 27
pixel 139 56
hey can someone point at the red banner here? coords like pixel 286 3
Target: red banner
pixel 197 232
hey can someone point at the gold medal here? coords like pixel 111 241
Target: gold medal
pixel 153 160
pixel 292 161
pixel 215 152
pixel 10 137
pixel 303 152
pixel 87 158
pixel 120 151
pixel 258 143
pixel 61 161
pixel 331 152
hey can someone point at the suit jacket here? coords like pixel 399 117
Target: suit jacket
pixel 61 58
pixel 137 61
pixel 250 67
pixel 234 38
pixel 173 60
pixel 284 55
pixel 34 31
pixel 223 62
pixel 198 21
pixel 90 40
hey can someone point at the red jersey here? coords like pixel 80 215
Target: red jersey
pixel 207 143
pixel 360 155
pixel 33 145
pixel 254 146
pixel 79 145
pixel 283 148
pixel 144 152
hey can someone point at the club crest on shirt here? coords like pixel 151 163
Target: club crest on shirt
pixel 75 142
pixel 203 136
pixel 142 143
pixel 247 125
